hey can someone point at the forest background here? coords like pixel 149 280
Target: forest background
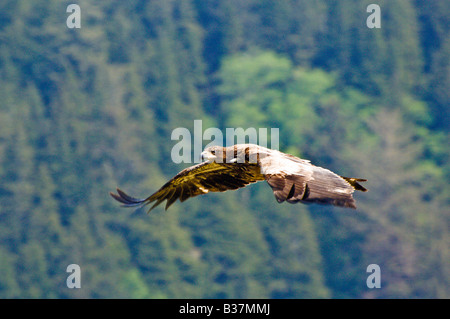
pixel 84 110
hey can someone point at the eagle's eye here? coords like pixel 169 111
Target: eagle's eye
pixel 213 152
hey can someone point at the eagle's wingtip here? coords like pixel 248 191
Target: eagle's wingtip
pixel 126 200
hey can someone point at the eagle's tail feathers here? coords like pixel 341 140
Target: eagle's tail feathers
pixel 355 184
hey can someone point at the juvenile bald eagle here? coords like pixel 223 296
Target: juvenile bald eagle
pixel 228 168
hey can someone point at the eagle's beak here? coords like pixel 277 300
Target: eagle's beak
pixel 207 156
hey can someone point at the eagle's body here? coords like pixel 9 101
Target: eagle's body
pixel 228 168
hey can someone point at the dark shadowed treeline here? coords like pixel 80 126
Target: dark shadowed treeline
pixel 83 111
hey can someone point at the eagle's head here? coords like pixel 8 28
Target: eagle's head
pixel 239 153
pixel 212 153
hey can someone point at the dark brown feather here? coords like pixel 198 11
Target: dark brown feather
pixel 198 180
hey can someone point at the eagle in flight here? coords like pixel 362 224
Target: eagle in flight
pixel 228 168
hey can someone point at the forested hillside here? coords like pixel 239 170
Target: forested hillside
pixel 84 110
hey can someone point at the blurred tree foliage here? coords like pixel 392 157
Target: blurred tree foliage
pixel 85 110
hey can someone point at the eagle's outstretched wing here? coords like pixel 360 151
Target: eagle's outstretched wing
pixel 197 180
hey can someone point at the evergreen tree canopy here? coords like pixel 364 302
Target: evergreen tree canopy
pixel 83 110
